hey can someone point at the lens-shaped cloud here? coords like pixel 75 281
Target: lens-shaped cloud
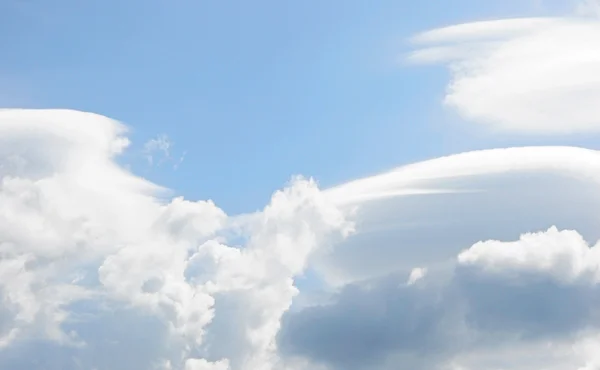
pixel 527 76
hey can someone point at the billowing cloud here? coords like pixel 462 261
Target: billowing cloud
pixel 97 271
pixel 435 265
pixel 530 76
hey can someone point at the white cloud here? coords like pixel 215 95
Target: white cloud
pixel 88 250
pixel 86 244
pixel 562 254
pixel 529 76
pixel 92 260
pixel 161 144
pixel 158 151
pixel 96 271
pixel 416 274
pixel 499 193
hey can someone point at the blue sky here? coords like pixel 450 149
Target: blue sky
pixel 454 225
pixel 253 92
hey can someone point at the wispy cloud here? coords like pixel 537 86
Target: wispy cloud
pixel 160 145
pixel 158 151
pixel 529 76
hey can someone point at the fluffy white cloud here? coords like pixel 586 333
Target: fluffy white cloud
pixel 533 76
pixel 563 255
pixel 96 271
pixel 89 250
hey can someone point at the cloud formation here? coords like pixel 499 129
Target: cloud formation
pixel 425 213
pixel 495 295
pixel 99 271
pixel 435 265
pixel 86 245
pixel 498 304
pixel 526 76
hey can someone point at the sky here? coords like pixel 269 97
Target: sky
pixel 340 185
pixel 251 93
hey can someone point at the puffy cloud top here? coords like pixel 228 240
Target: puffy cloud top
pixel 87 244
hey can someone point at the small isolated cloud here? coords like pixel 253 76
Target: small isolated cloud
pixel 416 274
pixel 179 161
pixel 159 150
pixel 528 76
pixel 161 145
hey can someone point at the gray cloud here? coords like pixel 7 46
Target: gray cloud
pixel 365 323
pixel 119 339
pixel 377 323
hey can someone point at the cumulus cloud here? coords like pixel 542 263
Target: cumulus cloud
pixel 529 76
pixel 89 250
pixel 499 305
pixel 97 270
pixel 496 304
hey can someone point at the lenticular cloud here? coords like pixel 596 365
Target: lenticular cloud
pixel 90 257
pixel 528 75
